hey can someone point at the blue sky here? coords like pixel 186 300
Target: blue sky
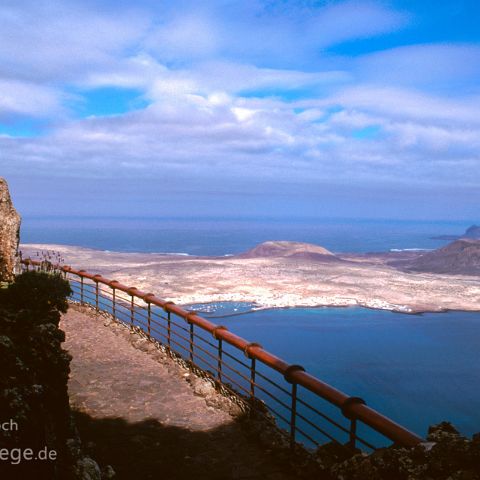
pixel 255 108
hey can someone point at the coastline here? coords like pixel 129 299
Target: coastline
pixel 357 281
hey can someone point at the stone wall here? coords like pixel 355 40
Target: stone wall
pixel 9 233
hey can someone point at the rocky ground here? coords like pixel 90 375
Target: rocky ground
pixel 310 279
pixel 148 417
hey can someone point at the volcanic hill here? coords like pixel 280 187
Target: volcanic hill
pixel 461 257
pixel 286 249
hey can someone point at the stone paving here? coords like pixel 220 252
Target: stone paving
pixel 134 401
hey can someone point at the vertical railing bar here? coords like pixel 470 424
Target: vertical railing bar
pixel 149 311
pixel 192 340
pixel 96 295
pixel 81 290
pixel 219 363
pixel 293 409
pixel 353 432
pixel 252 379
pixel 353 421
pixel 253 371
pixel 132 311
pixel 293 415
pixel 114 303
pixel 169 323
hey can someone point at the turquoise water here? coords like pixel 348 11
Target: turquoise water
pixel 416 369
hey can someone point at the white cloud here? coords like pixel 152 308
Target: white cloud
pixel 342 21
pixel 438 66
pixel 266 33
pixel 187 36
pixel 224 137
pixel 57 40
pixel 29 99
pixel 402 103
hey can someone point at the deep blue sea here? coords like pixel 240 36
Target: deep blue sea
pixel 417 369
pixel 224 236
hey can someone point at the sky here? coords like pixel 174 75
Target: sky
pixel 356 109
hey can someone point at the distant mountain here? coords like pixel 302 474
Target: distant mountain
pixel 291 250
pixel 461 257
pixel 470 232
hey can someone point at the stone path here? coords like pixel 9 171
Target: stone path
pixel 148 417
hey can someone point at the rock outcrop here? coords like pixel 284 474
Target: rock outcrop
pixel 9 233
pixel 291 250
pixel 449 456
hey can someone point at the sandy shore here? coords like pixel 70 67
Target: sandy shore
pixel 359 280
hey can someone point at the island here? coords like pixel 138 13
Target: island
pixel 472 232
pixel 293 274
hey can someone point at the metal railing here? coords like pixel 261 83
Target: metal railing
pixel 304 408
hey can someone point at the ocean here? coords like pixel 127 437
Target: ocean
pixel 417 369
pixel 229 236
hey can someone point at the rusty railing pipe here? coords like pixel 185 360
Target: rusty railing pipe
pixel 353 410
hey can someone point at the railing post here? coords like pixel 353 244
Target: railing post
pixel 219 350
pixel 293 408
pixel 293 415
pixel 353 421
pixel 114 303
pixel 192 340
pixel 132 311
pixel 96 295
pixel 353 433
pixel 81 290
pixel 149 318
pixel 192 334
pixel 219 360
pixel 169 324
pixel 169 328
pixel 253 371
